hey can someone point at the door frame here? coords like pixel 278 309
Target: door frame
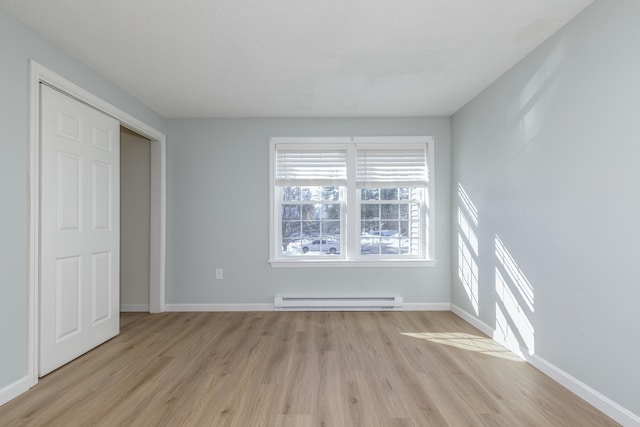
pixel 40 74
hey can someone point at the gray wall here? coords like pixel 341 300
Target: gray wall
pixel 218 206
pixel 135 218
pixel 549 157
pixel 17 45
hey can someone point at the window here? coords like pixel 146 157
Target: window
pixel 351 201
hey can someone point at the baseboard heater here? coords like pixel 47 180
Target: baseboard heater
pixel 379 303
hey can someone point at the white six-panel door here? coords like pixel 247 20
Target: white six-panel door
pixel 80 226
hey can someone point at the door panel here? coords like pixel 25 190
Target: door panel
pixel 101 179
pixel 68 187
pixel 80 225
pixel 101 281
pixel 67 297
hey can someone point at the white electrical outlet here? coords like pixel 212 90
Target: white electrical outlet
pixel 219 274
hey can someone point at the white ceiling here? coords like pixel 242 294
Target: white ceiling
pixel 298 58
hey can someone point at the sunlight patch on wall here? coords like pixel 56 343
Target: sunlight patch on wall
pixel 514 305
pixel 468 249
pixel 469 342
pixel 516 276
pixel 539 82
pixel 468 205
pixel 529 116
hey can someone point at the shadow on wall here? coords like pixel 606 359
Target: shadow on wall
pixel 514 303
pixel 468 247
pixel 513 293
pixel 528 111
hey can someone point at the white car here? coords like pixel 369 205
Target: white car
pixel 325 245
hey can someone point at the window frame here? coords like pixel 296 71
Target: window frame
pixel 278 220
pixel 424 246
pixel 351 206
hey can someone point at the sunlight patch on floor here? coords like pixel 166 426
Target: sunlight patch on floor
pixel 469 342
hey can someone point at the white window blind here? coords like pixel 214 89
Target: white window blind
pixel 391 167
pixel 300 167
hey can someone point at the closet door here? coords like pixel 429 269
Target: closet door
pixel 80 226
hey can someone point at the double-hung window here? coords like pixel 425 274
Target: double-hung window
pixel 351 201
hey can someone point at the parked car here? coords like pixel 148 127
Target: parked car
pixel 325 245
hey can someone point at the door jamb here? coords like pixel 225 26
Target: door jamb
pixel 40 74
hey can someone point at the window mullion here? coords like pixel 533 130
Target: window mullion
pixel 352 205
pixel 277 213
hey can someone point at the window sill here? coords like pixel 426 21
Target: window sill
pixel 278 263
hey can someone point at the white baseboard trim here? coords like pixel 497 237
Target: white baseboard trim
pixel 426 306
pixel 577 387
pixel 14 390
pixel 134 308
pixel 438 306
pixel 219 307
pixel 580 389
pixel 473 320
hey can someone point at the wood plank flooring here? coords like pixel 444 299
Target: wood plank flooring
pixel 298 369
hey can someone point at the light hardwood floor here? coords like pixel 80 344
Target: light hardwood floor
pixel 298 369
